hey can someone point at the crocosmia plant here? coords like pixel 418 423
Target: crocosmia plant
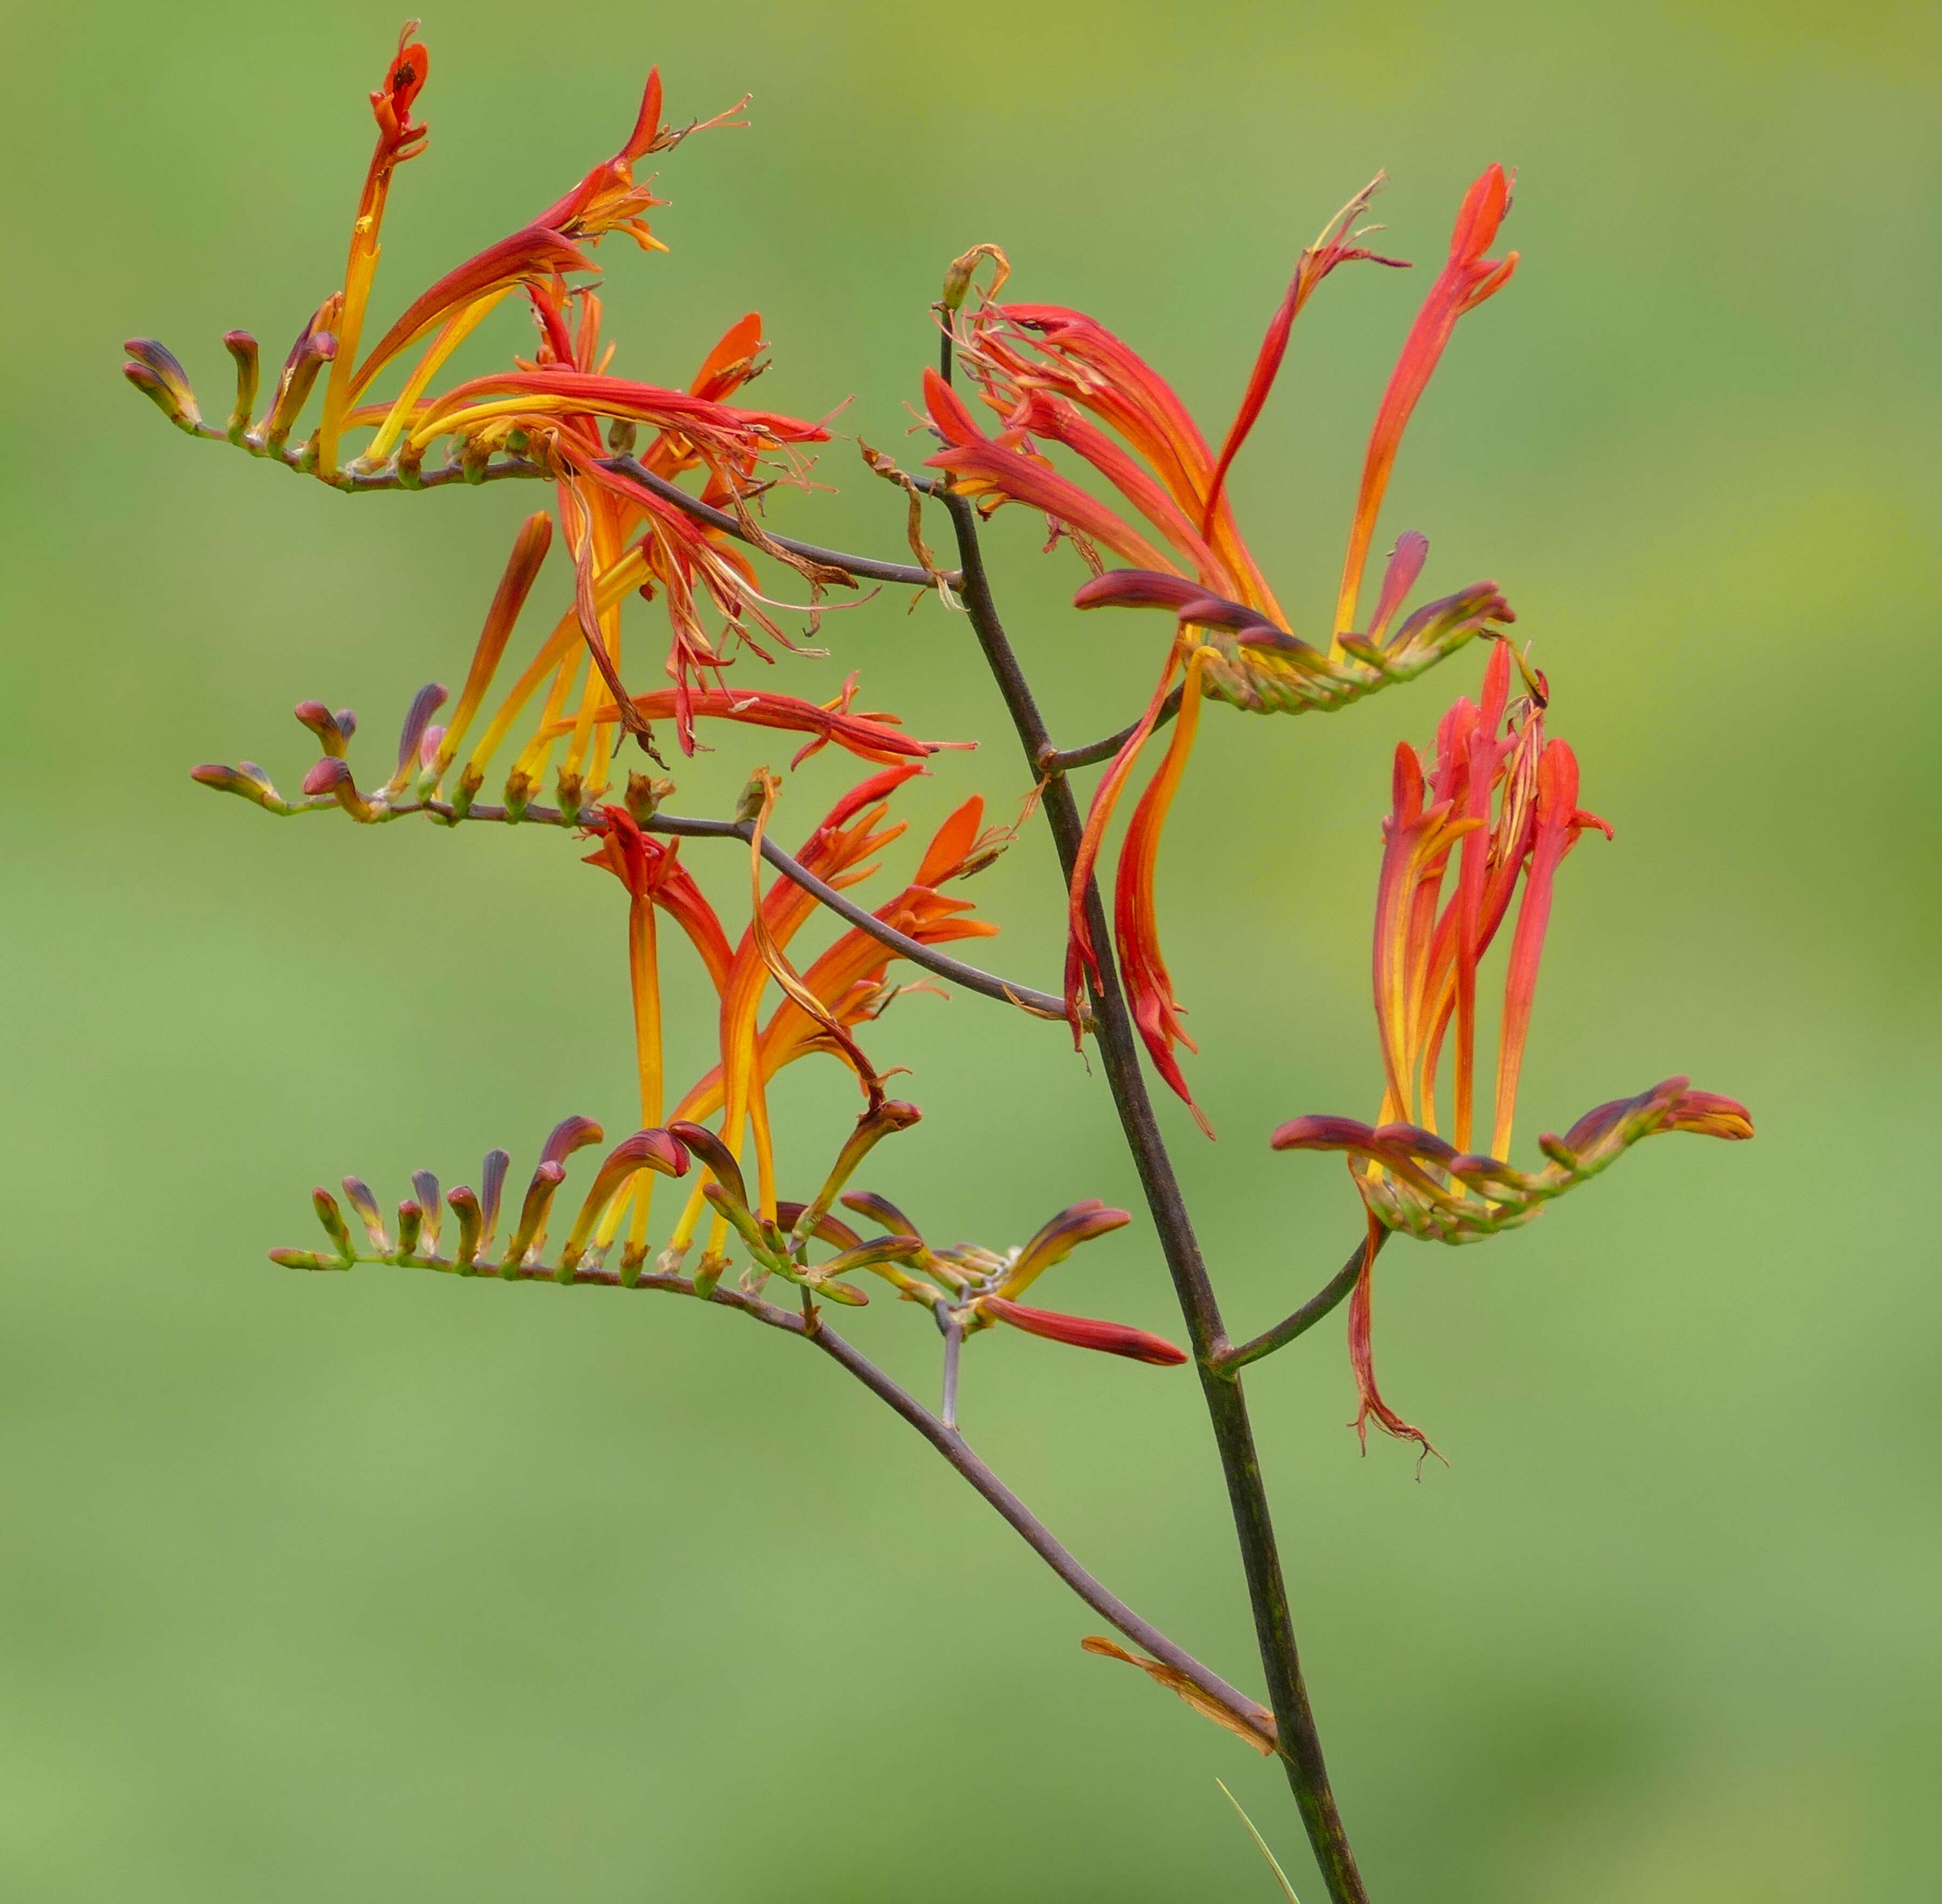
pixel 678 609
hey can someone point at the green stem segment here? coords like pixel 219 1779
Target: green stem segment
pixel 1226 1405
pixel 1325 1299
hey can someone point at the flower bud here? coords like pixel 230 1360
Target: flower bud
pixel 247 780
pixel 331 736
pixel 242 347
pixel 366 1205
pixel 465 1207
pixel 333 777
pixel 424 1187
pixel 331 1217
pixel 425 703
pixel 154 371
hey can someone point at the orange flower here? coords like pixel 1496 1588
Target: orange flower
pixel 1498 810
pixel 1056 377
pixel 560 410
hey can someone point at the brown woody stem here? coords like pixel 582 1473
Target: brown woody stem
pixel 1040 1004
pixel 959 1454
pixel 1226 1405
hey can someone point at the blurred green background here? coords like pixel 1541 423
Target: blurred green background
pixel 384 1586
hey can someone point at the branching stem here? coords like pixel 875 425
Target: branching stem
pixel 959 1452
pixel 1060 761
pixel 1226 1405
pixel 1327 1298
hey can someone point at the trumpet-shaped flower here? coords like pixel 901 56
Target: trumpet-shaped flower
pixel 1478 826
pixel 1057 378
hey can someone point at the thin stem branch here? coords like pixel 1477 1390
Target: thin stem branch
pixel 987 985
pixel 1226 1407
pixel 959 1452
pixel 867 567
pixel 1040 1004
pixel 1326 1298
pixel 523 469
pixel 1059 760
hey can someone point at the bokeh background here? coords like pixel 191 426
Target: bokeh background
pixel 385 1586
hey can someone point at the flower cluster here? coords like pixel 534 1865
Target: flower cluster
pixel 655 490
pixel 559 412
pixel 1482 821
pixel 966 1287
pixel 1054 377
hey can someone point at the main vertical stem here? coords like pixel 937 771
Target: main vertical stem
pixel 1226 1405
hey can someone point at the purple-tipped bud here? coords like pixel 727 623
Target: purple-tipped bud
pixel 315 346
pixel 714 1154
pixel 331 734
pixel 492 1176
pixel 1264 639
pixel 569 1134
pixel 1217 612
pixel 425 703
pixel 880 1209
pixel 424 1187
pixel 1137 588
pixel 1412 1140
pixel 247 780
pixel 1058 1238
pixel 1455 618
pixel 358 1192
pixel 872 1254
pixel 155 372
pixel 347 722
pixel 1322 1133
pixel 335 1226
pixel 242 347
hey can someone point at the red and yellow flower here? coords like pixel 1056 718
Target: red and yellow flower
pixel 1057 378
pixel 1478 826
pixel 561 409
